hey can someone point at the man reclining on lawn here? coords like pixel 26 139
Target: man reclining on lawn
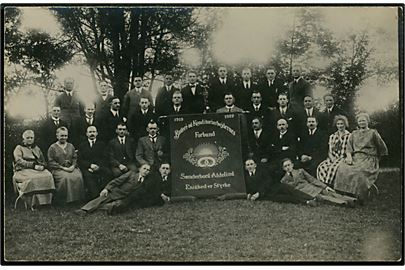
pixel 117 190
pixel 302 181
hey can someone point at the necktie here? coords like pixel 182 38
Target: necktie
pixel 140 179
pixel 256 108
pixel 56 123
pixel 308 113
pixel 164 178
pixel 229 109
pixel 257 134
pixel 283 112
pixel 91 143
pixel 176 109
pixel 290 174
pixel 89 121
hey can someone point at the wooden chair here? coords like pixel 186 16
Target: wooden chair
pixel 18 191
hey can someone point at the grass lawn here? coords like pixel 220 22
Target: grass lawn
pixel 210 230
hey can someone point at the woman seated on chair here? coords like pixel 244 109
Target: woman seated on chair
pixel 361 167
pixel 326 170
pixel 34 183
pixel 62 159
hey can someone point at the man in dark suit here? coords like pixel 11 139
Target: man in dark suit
pixel 219 86
pixel 92 160
pixel 121 152
pixel 108 121
pixel 284 111
pixel 71 108
pixel 283 145
pixel 164 96
pixel 47 133
pixel 270 88
pixel 330 112
pixel 103 99
pixel 259 141
pixel 309 110
pixel 156 191
pixel 258 109
pixel 116 192
pixel 312 147
pixel 152 148
pixel 260 185
pixel 193 95
pixel 132 97
pixel 141 119
pixel 298 89
pixel 243 91
pixel 80 127
pixel 177 107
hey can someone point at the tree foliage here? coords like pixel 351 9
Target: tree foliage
pixel 121 43
pixel 31 56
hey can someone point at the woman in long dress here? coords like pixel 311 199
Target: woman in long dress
pixel 326 170
pixel 361 167
pixel 62 161
pixel 33 180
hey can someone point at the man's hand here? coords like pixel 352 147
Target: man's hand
pixel 329 189
pixel 305 158
pixel 284 148
pixel 349 160
pixel 94 167
pixel 122 167
pixel 263 160
pixel 39 167
pixel 255 196
pixel 165 198
pixel 104 193
pixel 160 153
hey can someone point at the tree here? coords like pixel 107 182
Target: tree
pixel 121 43
pixel 32 57
pixel 348 71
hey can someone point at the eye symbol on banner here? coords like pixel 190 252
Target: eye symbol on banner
pixel 206 155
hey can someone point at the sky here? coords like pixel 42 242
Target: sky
pixel 250 33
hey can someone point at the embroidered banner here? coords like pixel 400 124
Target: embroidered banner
pixel 206 155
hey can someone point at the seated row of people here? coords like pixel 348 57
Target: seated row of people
pixel 351 168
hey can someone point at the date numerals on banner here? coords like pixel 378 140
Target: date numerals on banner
pixel 229 116
pixel 178 119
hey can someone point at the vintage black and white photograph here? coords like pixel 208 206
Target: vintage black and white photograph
pixel 191 133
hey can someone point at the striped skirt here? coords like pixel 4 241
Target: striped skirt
pixel 326 170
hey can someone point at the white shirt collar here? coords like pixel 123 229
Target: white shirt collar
pixel 114 112
pixel 282 133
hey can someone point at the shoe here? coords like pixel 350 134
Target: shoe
pixel 221 198
pixel 350 204
pixel 312 203
pixel 80 212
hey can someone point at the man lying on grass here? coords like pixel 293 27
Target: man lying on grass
pixel 302 181
pixel 116 192
pixel 260 185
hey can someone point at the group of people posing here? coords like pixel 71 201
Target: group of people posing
pixel 116 157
